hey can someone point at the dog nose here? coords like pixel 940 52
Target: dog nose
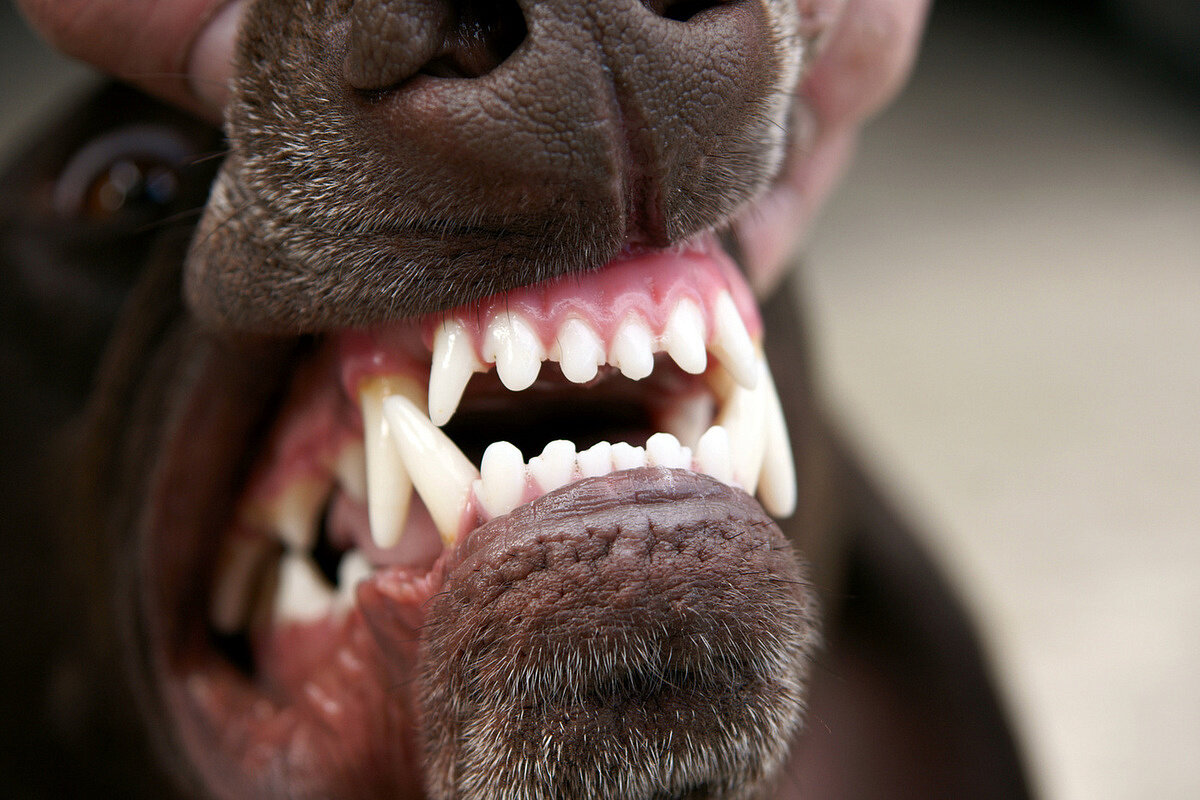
pixel 646 114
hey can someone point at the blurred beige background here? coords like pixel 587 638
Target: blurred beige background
pixel 1007 304
pixel 1007 295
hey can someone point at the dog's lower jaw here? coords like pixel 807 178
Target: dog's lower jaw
pixel 642 635
pixel 647 634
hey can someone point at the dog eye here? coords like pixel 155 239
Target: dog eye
pixel 127 183
pixel 132 172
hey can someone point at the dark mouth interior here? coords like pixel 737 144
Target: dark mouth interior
pixel 609 408
pixel 235 648
pixel 481 35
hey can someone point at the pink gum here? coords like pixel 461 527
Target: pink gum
pixel 649 285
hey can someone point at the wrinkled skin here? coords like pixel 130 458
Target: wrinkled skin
pixel 345 209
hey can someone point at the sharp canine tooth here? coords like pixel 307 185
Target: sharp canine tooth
pixel 555 466
pixel 742 417
pixel 454 362
pixel 303 594
pixel 778 487
pixel 664 450
pixel 351 470
pixel 353 569
pixel 581 350
pixel 441 473
pixel 689 417
pixel 683 337
pixel 235 586
pixel 731 343
pixel 626 456
pixel 388 486
pixel 516 349
pixel 596 460
pixel 712 454
pixel 502 478
pixel 632 349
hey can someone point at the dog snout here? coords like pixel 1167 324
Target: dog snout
pixel 617 109
pixel 436 151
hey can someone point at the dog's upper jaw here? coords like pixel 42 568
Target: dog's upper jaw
pixel 608 126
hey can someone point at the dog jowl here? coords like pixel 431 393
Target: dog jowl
pixel 455 476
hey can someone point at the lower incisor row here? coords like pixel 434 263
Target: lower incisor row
pixel 506 481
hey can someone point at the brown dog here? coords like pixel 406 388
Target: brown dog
pixel 351 559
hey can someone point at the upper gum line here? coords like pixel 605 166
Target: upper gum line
pixel 650 286
pixel 641 297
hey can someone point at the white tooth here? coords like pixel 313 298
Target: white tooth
pixel 683 338
pixel 303 594
pixel 501 486
pixel 689 417
pixel 293 514
pixel 596 460
pixel 580 350
pixel 664 450
pixel 351 470
pixel 742 417
pixel 353 569
pixel 632 349
pixel 712 454
pixel 512 344
pixel 555 466
pixel 777 489
pixel 626 456
pixel 441 473
pixel 389 488
pixel 234 588
pixel 731 343
pixel 454 362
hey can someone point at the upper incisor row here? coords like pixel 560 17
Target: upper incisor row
pixel 513 345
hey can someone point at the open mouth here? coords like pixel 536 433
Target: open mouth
pixel 394 445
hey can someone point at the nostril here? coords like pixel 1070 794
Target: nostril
pixel 391 41
pixel 483 33
pixel 684 10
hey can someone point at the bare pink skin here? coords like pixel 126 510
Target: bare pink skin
pixel 863 61
pixel 182 52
